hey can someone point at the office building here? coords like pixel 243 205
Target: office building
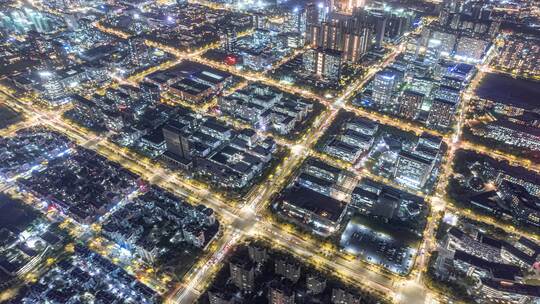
pixel 321 212
pixel 266 108
pixel 509 292
pixel 53 89
pixel 375 199
pixel 384 84
pixel 422 85
pixel 431 141
pixel 176 141
pixel 362 125
pixel 410 103
pixel 433 52
pixel 447 93
pixel 441 113
pixel 412 170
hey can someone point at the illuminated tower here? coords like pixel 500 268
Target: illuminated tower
pixel 349 5
pixel 384 84
pixel 176 141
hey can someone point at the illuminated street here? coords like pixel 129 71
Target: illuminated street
pixel 157 132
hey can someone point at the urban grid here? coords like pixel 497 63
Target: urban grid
pixel 269 151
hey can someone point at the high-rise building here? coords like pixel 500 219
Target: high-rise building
pixel 316 12
pixel 242 273
pixel 356 45
pixel 258 254
pixel 398 23
pixel 315 284
pixel 280 292
pixel 312 14
pixel 309 61
pixel 383 87
pixel 324 9
pixel 349 34
pixel 494 28
pixel 389 24
pixel 454 21
pixel 410 103
pixel 40 22
pixel 176 141
pixel 288 269
pixel 228 40
pixel 259 20
pixel 296 20
pixel 449 9
pixel 349 5
pixel 341 296
pixel 323 63
pixel 380 27
pixel 412 170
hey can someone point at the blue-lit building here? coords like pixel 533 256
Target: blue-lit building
pixel 383 86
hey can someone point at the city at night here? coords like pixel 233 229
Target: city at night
pixel 270 151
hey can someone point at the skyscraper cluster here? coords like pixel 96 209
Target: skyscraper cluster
pixel 349 30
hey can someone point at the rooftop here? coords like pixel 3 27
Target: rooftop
pixel 315 202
